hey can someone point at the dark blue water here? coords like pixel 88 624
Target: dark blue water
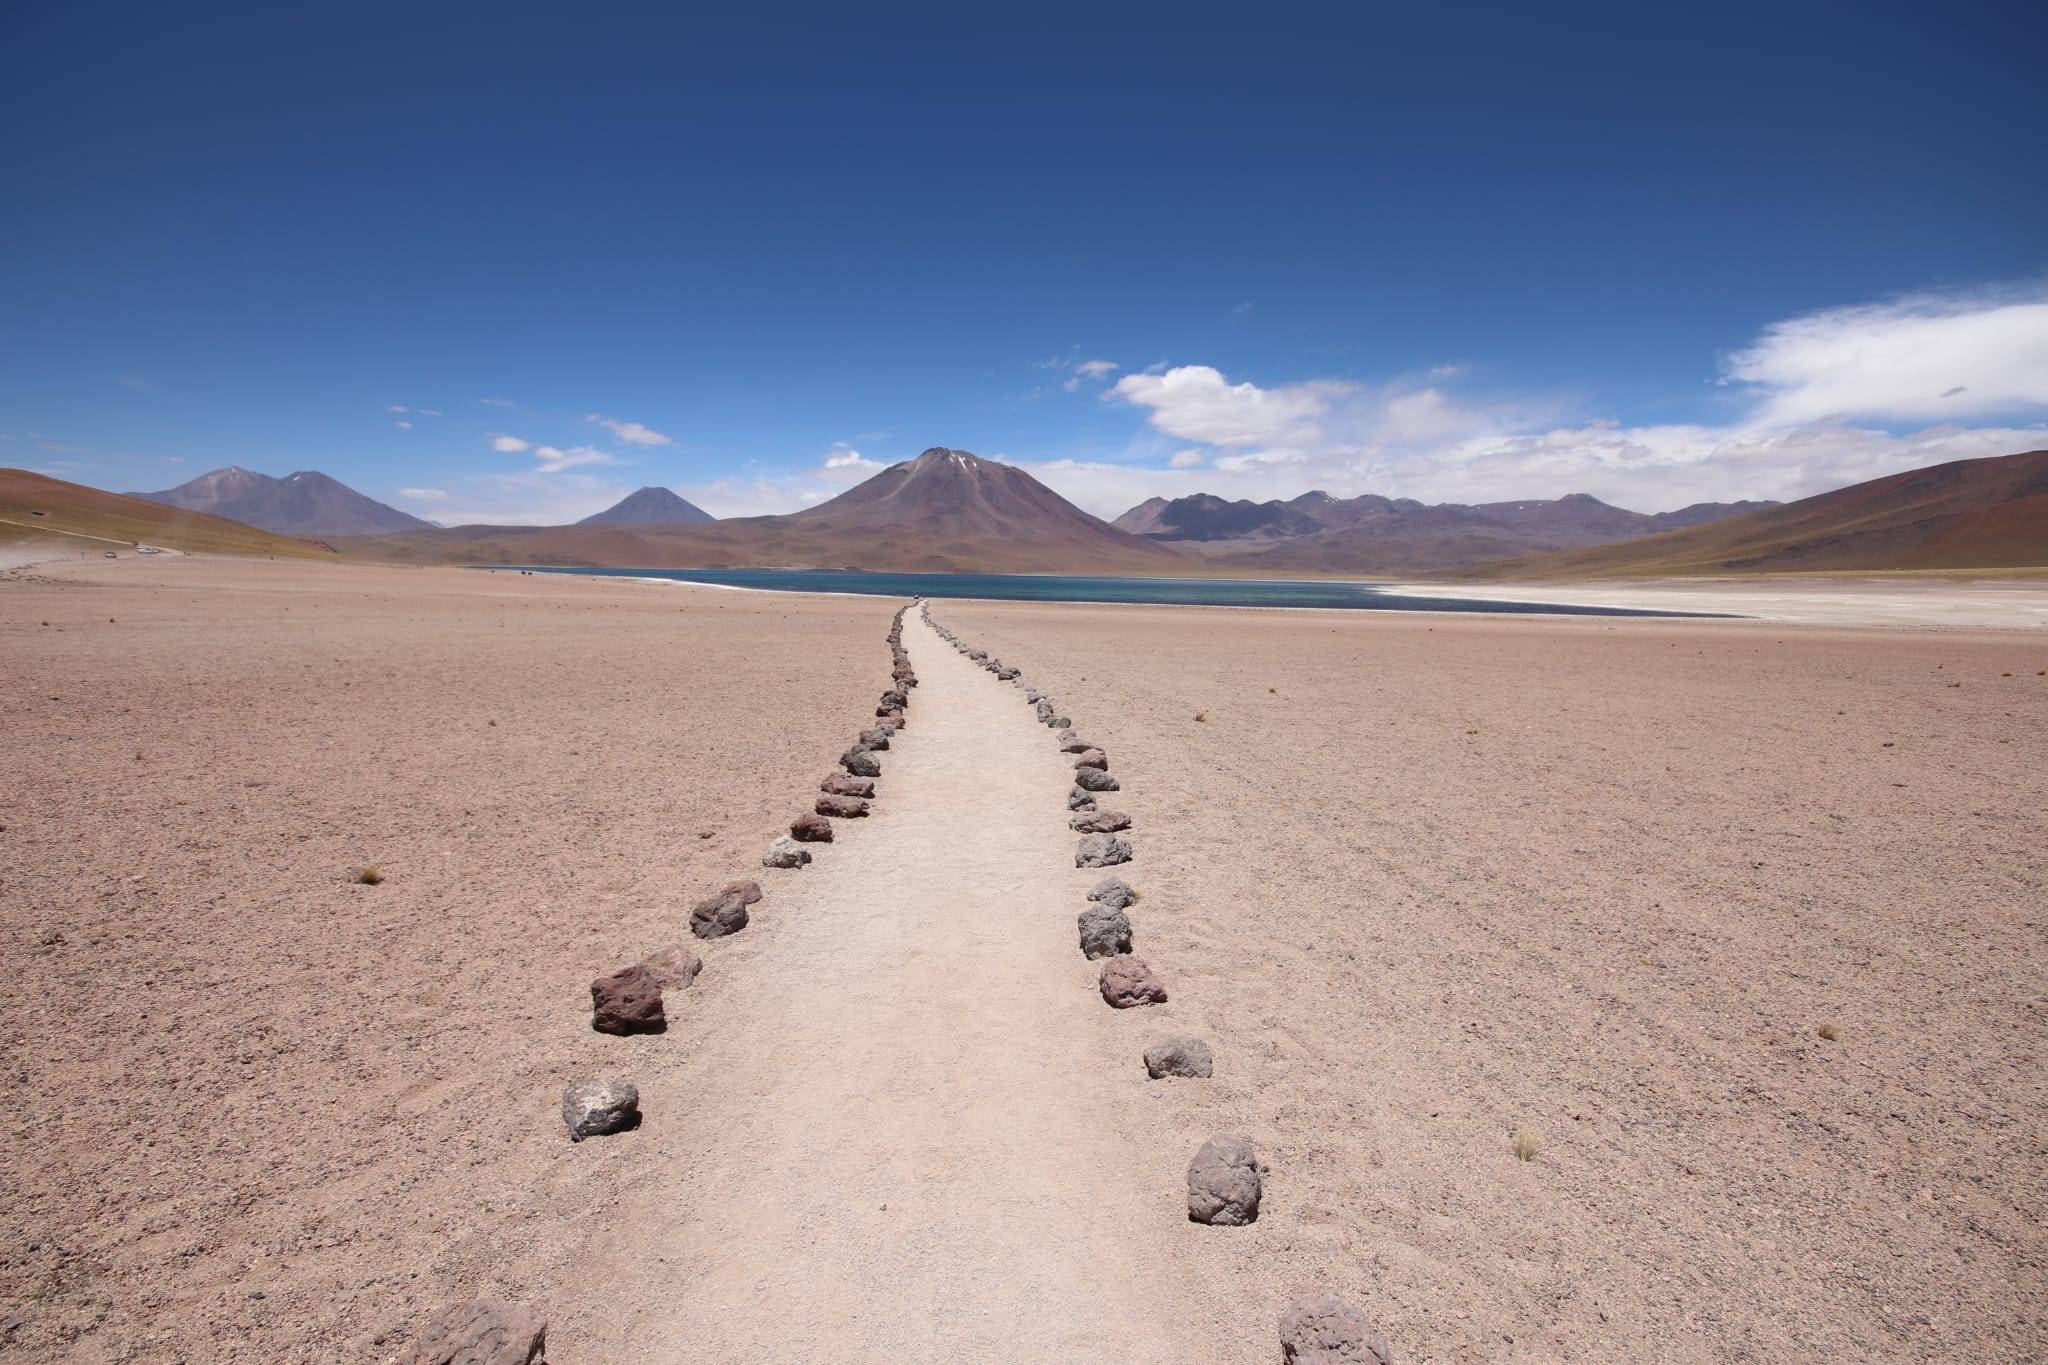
pixel 1186 592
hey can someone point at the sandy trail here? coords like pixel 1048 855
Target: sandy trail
pixel 911 1148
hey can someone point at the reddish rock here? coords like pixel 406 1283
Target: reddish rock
pixel 672 968
pixel 481 1332
pixel 846 784
pixel 1325 1330
pixel 811 829
pixel 748 891
pixel 845 807
pixel 1127 982
pixel 627 1001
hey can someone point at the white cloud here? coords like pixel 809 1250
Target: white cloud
pixel 1920 359
pixel 632 433
pixel 430 412
pixel 852 459
pixel 402 424
pixel 423 494
pixel 397 407
pixel 1821 401
pixel 497 402
pixel 509 445
pixel 1095 369
pixel 1188 459
pixel 553 459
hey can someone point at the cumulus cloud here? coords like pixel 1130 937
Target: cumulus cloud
pixel 553 459
pixel 632 433
pixel 509 445
pixel 1820 401
pixel 1188 459
pixel 1926 358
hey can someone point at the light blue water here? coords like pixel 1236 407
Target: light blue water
pixel 1186 592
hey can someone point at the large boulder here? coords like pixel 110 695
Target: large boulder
pixel 1127 982
pixel 1114 892
pixel 627 1001
pixel 811 828
pixel 859 762
pixel 598 1106
pixel 1080 800
pixel 1223 1184
pixel 785 852
pixel 1179 1055
pixel 1105 932
pixel 846 807
pixel 1100 822
pixel 481 1332
pixel 1095 780
pixel 1325 1330
pixel 1101 850
pixel 846 784
pixel 719 915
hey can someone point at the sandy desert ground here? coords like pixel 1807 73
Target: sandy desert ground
pixel 1421 880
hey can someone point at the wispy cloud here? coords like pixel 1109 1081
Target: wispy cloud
pixel 509 445
pixel 423 494
pixel 402 424
pixel 554 459
pixel 632 433
pixel 497 402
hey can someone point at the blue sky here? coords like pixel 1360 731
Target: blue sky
pixel 1446 252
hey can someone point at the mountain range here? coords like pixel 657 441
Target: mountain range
pixel 1316 533
pixel 303 503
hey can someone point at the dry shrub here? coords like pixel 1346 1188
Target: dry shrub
pixel 368 876
pixel 1525 1143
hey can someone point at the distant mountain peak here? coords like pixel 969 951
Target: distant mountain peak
pixel 304 503
pixel 650 506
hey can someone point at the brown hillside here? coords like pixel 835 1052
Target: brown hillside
pixel 69 511
pixel 1967 514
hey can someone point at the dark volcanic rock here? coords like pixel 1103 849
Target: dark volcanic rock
pixel 1095 780
pixel 811 829
pixel 876 737
pixel 845 807
pixel 1179 1055
pixel 1101 850
pixel 595 1107
pixel 1100 822
pixel 785 852
pixel 860 762
pixel 1127 982
pixel 1223 1184
pixel 1079 800
pixel 1325 1330
pixel 627 1001
pixel 722 914
pixel 1114 892
pixel 481 1332
pixel 846 784
pixel 1104 932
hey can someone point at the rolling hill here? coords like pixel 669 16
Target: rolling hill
pixel 304 503
pixel 947 511
pixel 37 509
pixel 1967 514
pixel 1317 534
pixel 649 506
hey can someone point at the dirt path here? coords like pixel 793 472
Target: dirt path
pixel 909 1145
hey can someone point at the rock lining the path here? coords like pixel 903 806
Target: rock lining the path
pixel 785 852
pixel 719 915
pixel 673 968
pixel 1101 850
pixel 844 807
pixel 1100 821
pixel 860 763
pixel 1074 744
pixel 1325 1330
pixel 628 1001
pixel 1126 983
pixel 1224 1186
pixel 1080 800
pixel 846 784
pixel 1179 1054
pixel 1105 931
pixel 1092 758
pixel 598 1106
pixel 1114 892
pixel 876 738
pixel 811 828
pixel 481 1332
pixel 1095 780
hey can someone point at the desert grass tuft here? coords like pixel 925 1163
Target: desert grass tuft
pixel 368 876
pixel 1202 717
pixel 1830 1032
pixel 1525 1144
